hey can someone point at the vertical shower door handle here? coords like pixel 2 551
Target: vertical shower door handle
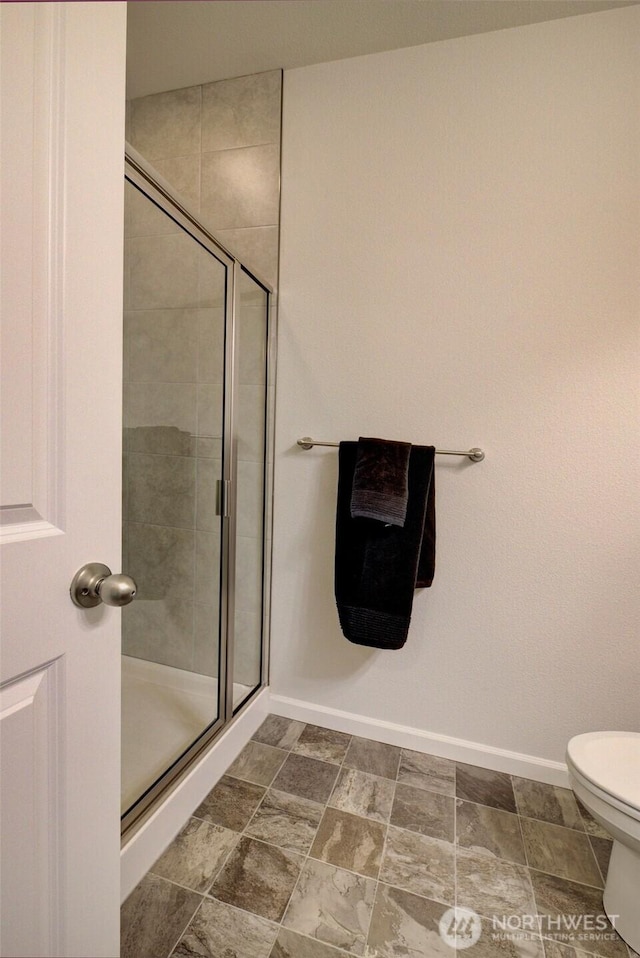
pixel 222 497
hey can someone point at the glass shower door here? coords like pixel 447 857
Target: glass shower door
pixel 174 385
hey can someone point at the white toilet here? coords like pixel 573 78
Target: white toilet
pixel 604 769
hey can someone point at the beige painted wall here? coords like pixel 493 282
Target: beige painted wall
pixel 459 266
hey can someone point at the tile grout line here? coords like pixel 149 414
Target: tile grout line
pixel 176 883
pixel 526 859
pixel 326 805
pixel 593 852
pixel 184 888
pixel 573 881
pixel 455 838
pixel 384 846
pixel 384 849
pixel 186 927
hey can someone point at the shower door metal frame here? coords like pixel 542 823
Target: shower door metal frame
pixel 142 176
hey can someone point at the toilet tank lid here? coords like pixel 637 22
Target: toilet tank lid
pixel 611 760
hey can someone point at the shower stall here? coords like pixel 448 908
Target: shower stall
pixel 198 397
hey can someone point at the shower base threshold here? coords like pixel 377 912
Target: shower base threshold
pixel 163 710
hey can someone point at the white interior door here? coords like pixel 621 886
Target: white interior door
pixel 63 99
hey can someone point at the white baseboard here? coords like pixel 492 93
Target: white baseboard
pixel 472 753
pixel 150 840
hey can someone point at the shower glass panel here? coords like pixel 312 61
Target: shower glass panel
pixel 250 437
pixel 174 387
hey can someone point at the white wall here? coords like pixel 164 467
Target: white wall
pixel 459 266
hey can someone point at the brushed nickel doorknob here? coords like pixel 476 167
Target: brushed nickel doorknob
pixel 94 583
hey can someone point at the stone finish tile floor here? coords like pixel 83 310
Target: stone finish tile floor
pixel 317 844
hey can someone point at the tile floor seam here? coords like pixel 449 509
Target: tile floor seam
pixel 244 911
pixel 297 882
pixel 207 821
pixel 303 934
pixel 384 848
pixel 255 812
pixel 181 934
pixel 455 837
pixel 222 865
pixel 492 918
pixel 544 821
pixel 515 795
pixel 526 866
pixel 583 820
pixel 593 851
pixel 399 763
pixel 176 883
pixel 307 856
pixel 521 830
pixel 531 889
pixel 602 875
pixel 553 874
pixel 186 928
pixel 573 881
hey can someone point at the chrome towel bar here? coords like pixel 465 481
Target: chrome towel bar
pixel 475 455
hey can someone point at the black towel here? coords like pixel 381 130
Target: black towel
pixel 427 561
pixel 380 481
pixel 378 566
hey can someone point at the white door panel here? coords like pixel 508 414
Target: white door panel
pixel 63 98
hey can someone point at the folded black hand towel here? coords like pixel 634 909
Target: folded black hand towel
pixel 380 481
pixel 378 566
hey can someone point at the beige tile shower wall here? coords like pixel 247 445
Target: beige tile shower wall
pixel 219 146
